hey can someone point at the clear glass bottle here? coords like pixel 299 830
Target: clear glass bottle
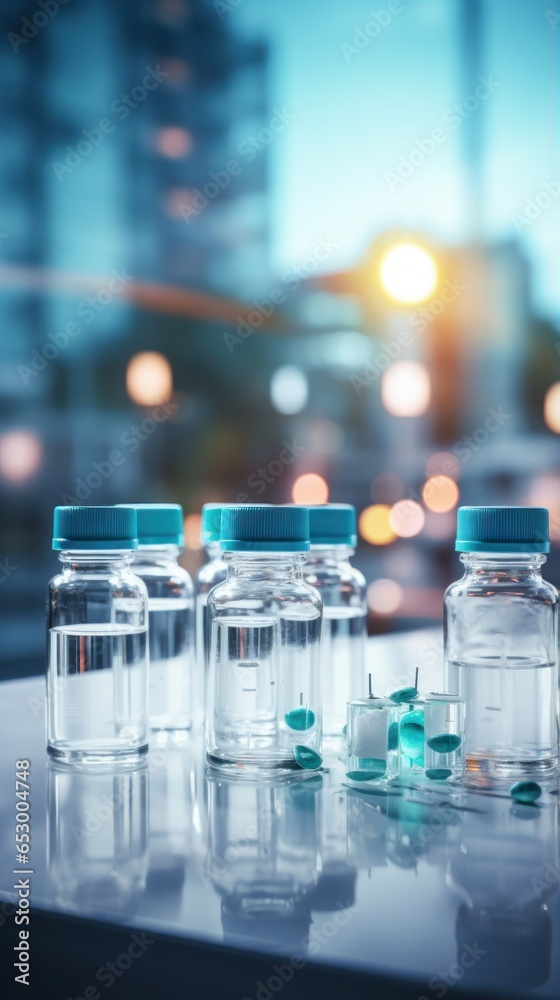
pixel 213 572
pixel 343 589
pixel 500 642
pixel 265 621
pixel 97 621
pixel 171 616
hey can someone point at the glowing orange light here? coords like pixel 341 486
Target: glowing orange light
pixel 407 518
pixel 310 489
pixel 408 273
pixel 384 597
pixel 149 379
pixel 440 494
pixel 374 525
pixel 191 527
pixel 552 408
pixel 173 142
pixel 405 389
pixel 443 463
pixel 20 455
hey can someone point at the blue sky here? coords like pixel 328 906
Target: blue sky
pixel 357 112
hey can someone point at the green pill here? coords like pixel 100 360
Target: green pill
pixel 307 758
pixel 300 719
pixel 438 773
pixel 403 695
pixel 445 743
pixel 525 791
pixel 364 775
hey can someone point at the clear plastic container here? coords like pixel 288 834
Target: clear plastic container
pixel 97 620
pixel 213 572
pixel 171 617
pixel 265 621
pixel 343 589
pixel 373 743
pixel 501 643
pixel 432 737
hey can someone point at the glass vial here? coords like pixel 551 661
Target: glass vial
pixel 343 589
pixel 500 642
pixel 265 622
pixel 171 616
pixel 373 743
pixel 213 572
pixel 97 620
pixel 444 735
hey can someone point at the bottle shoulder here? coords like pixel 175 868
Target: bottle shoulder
pixel 121 582
pixel 251 595
pixel 210 574
pixel 532 589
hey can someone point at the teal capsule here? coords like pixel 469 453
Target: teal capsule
pixel 393 736
pixel 403 695
pixel 444 743
pixel 345 730
pixel 307 758
pixel 372 764
pixel 438 773
pixel 364 775
pixel 412 736
pixel 300 719
pixel 525 791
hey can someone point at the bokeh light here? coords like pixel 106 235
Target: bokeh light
pixel 440 526
pixel 384 597
pixel 443 463
pixel 326 437
pixel 149 379
pixel 552 408
pixel 407 518
pixel 440 494
pixel 374 525
pixel 191 528
pixel 21 454
pixel 289 389
pixel 544 491
pixel 408 273
pixel 387 487
pixel 405 389
pixel 310 489
pixel 173 142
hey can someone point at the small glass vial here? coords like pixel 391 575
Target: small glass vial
pixel 444 736
pixel 97 621
pixel 373 738
pixel 265 622
pixel 343 589
pixel 208 576
pixel 171 616
pixel 501 651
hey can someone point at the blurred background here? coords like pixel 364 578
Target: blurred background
pixel 261 250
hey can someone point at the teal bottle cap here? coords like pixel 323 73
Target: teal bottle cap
pixel 159 523
pixel 210 523
pixel 94 528
pixel 502 529
pixel 247 528
pixel 333 524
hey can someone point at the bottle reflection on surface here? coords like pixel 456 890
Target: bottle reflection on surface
pixel 264 855
pixel 336 886
pixel 97 836
pixel 170 826
pixel 419 827
pixel 507 875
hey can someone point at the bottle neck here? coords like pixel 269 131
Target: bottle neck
pixel 329 555
pixel 213 551
pixel 264 565
pixel 97 561
pixel 503 564
pixel 157 555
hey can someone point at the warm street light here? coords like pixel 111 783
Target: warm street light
pixel 408 273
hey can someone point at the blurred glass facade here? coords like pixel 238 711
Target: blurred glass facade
pixel 252 251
